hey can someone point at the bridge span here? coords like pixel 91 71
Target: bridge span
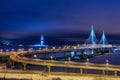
pixel 19 57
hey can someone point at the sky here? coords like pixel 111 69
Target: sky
pixel 25 18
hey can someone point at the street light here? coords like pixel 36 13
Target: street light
pixel 35 56
pixel 22 49
pixel 69 58
pixel 39 49
pixel 107 64
pixel 87 61
pixel 7 50
pixel 53 48
pixel 12 50
pixel 1 50
pixel 51 57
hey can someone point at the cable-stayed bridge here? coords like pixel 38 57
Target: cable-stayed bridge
pixel 92 47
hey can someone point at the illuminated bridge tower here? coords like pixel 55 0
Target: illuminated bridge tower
pixel 103 39
pixel 92 38
pixel 41 40
pixel 41 44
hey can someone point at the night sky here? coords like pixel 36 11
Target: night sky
pixel 31 18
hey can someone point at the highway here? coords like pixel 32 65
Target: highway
pixel 66 64
pixel 15 56
pixel 7 53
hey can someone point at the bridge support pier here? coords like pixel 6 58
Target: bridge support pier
pixel 54 56
pixel 13 63
pixel 81 70
pixel 49 68
pixel 103 71
pixel 50 55
pixel 65 55
pixel 2 58
pixel 115 73
pixel 75 52
pixel 9 60
pixel 24 66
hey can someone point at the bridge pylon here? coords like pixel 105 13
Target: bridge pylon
pixel 103 39
pixel 92 38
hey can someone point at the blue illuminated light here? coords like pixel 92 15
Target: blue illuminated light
pixel 86 51
pixel 6 42
pixel 103 39
pixel 92 38
pixel 41 42
pixel 92 51
pixel 72 53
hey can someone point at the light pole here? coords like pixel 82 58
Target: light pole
pixel 53 48
pixel 7 50
pixel 51 57
pixel 12 50
pixel 5 72
pixel 69 59
pixel 44 66
pixel 87 61
pixel 107 65
pixel 35 56
pixel 1 50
